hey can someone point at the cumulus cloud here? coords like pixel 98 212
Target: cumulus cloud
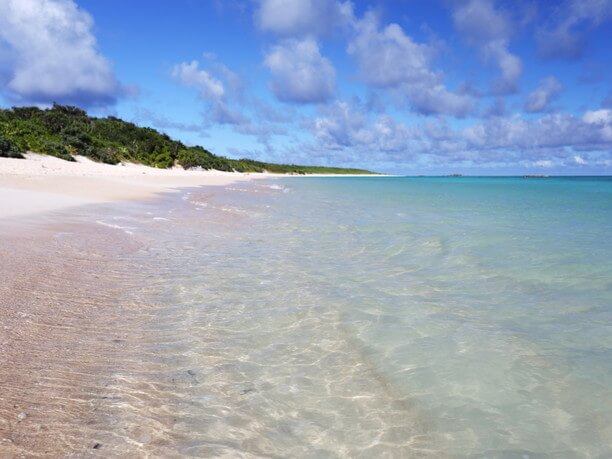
pixel 302 17
pixel 600 117
pixel 580 160
pixel 299 72
pixel 217 86
pixel 344 125
pixel 348 127
pixel 563 37
pixel 222 91
pixel 189 74
pixel 50 54
pixel 551 131
pixel 602 120
pixel 390 59
pixel 433 98
pixel 482 26
pixel 539 99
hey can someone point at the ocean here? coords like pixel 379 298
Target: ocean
pixel 363 317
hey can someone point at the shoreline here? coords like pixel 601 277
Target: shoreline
pixel 89 336
pixel 136 343
pixel 43 183
pixel 77 333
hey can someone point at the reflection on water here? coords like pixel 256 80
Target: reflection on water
pixel 311 318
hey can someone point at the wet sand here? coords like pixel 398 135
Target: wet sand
pixel 78 374
pixel 63 297
pixel 59 301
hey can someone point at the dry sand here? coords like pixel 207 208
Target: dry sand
pixel 42 183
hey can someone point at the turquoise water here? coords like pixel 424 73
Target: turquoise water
pixel 488 301
pixel 371 317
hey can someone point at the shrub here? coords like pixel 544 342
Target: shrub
pixel 58 150
pixel 8 149
pixel 188 158
pixel 163 160
pixel 106 155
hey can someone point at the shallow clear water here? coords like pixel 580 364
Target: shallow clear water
pixel 366 317
pixel 487 301
pixel 346 316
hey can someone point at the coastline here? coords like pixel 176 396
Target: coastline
pixel 77 331
pixel 109 350
pixel 42 183
pixel 65 293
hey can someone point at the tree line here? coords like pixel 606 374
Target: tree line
pixel 65 131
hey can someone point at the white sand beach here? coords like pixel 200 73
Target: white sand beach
pixel 42 183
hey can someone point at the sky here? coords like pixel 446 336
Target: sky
pixel 478 87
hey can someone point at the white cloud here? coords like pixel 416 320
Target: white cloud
pixel 539 99
pixel 189 74
pixel 299 72
pixel 52 54
pixel 510 67
pixel 339 126
pixel 390 59
pixel 226 104
pixel 218 86
pixel 537 142
pixel 433 98
pixel 580 160
pixel 302 17
pixel 488 29
pixel 344 125
pixel 602 120
pixel 602 117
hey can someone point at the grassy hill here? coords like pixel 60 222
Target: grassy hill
pixel 64 131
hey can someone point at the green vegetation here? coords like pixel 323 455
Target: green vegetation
pixel 65 131
pixel 8 149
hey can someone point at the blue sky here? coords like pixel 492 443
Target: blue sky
pixel 406 86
